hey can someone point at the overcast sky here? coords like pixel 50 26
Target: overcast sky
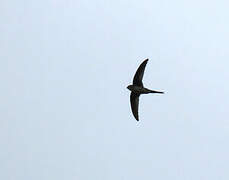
pixel 65 112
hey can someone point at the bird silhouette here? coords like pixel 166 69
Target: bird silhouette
pixel 137 89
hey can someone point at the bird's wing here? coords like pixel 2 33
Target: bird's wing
pixel 139 74
pixel 134 101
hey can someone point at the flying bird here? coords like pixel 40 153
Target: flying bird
pixel 137 89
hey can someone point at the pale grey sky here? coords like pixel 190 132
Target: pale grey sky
pixel 64 69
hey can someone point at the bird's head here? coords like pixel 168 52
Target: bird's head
pixel 129 87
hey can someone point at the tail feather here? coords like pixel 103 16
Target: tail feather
pixel 159 92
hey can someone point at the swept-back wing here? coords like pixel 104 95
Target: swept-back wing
pixel 134 101
pixel 139 74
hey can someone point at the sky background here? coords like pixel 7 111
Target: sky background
pixel 65 112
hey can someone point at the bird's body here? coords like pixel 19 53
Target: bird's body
pixel 141 90
pixel 137 89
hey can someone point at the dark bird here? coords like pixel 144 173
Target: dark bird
pixel 137 89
